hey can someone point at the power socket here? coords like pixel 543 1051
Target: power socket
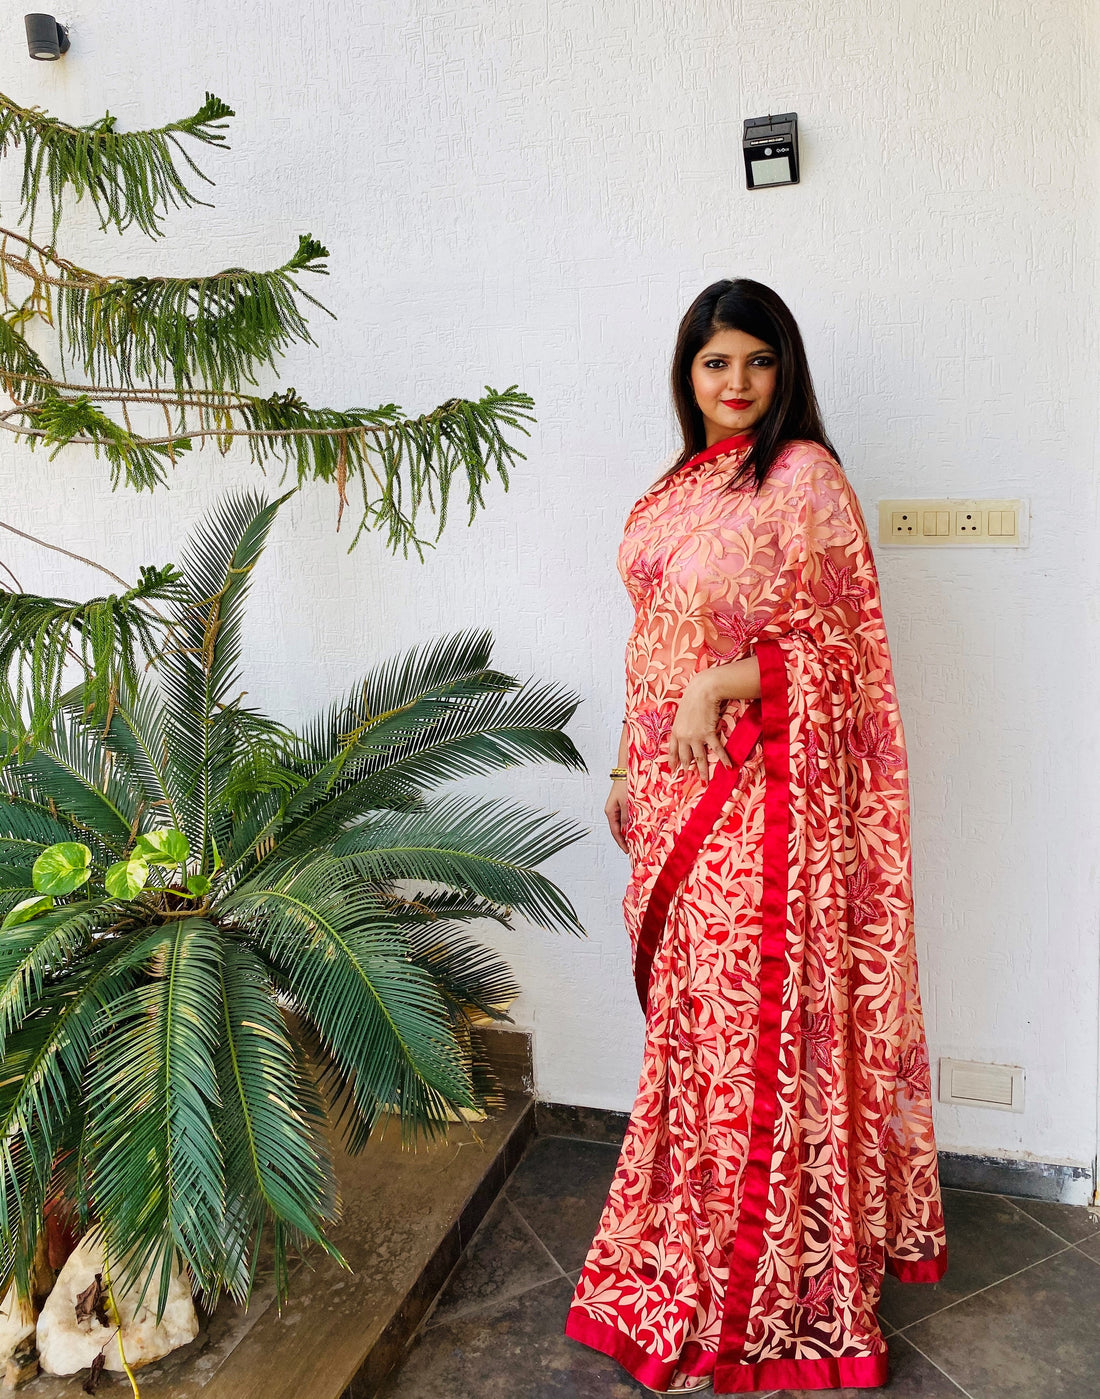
pixel 963 523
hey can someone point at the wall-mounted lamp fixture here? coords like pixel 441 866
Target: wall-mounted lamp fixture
pixel 771 150
pixel 46 39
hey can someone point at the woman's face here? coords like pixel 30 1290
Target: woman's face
pixel 734 377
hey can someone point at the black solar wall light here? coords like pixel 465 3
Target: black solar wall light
pixel 46 39
pixel 771 150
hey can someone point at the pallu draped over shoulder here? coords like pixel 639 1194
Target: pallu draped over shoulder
pixel 780 1154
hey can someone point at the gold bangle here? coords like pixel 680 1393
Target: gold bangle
pixel 618 774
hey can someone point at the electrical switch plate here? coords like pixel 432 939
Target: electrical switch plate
pixel 966 522
pixel 978 1085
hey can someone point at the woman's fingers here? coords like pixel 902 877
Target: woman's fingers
pixel 615 811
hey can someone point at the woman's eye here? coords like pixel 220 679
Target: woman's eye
pixel 764 362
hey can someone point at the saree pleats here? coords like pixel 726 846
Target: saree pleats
pixel 780 1153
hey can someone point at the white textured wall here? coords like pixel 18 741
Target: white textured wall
pixel 532 194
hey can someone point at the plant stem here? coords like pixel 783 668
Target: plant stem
pixel 118 1322
pixel 67 552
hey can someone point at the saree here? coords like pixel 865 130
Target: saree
pixel 780 1154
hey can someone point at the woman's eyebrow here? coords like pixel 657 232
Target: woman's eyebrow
pixel 718 354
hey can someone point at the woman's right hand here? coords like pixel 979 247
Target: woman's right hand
pixel 615 811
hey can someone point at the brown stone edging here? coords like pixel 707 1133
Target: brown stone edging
pixel 959 1170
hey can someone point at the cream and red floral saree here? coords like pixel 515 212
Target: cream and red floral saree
pixel 780 1153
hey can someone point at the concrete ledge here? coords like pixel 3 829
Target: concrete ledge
pixel 408 1215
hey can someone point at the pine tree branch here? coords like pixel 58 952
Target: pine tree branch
pixel 399 464
pixel 192 342
pixel 57 549
pixel 130 177
pixel 217 329
pixel 106 636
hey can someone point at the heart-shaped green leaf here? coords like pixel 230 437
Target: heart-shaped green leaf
pixel 127 879
pixel 167 847
pixel 26 910
pixel 199 884
pixel 62 868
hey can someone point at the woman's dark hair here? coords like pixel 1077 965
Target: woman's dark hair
pixel 794 415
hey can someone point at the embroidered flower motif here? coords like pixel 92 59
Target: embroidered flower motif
pixel 873 743
pixel 817 1031
pixel 708 1182
pixel 840 586
pixel 647 571
pixel 816 1298
pixel 863 904
pixel 913 1070
pixel 813 770
pixel 736 627
pixel 869 1265
pixel 655 728
pixel 660 1180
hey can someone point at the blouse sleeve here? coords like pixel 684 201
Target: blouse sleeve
pixel 833 590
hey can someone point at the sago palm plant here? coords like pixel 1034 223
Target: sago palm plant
pixel 219 931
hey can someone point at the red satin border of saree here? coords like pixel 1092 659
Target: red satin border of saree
pixel 838 1372
pixel 688 843
pixel 744 1258
pixel 767 718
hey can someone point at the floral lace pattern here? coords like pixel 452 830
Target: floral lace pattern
pixel 854 1184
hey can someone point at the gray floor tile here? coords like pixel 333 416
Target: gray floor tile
pixel 912 1376
pixel 1069 1222
pixel 560 1187
pixel 987 1239
pixel 1091 1247
pixel 1032 1336
pixel 514 1351
pixel 504 1258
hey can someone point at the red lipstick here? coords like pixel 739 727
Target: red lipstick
pixel 737 402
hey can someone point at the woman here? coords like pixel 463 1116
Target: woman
pixel 780 1153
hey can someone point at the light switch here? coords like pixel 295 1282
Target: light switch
pixel 936 522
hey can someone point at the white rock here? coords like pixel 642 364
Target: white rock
pixel 66 1345
pixel 14 1325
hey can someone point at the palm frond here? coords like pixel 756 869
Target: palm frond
pixel 434 715
pixel 488 734
pixel 137 738
pixel 154 1161
pixel 74 774
pixel 31 953
pixel 379 1015
pixel 42 1086
pixel 486 847
pixel 26 827
pixel 439 666
pixel 200 669
pixel 277 1164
